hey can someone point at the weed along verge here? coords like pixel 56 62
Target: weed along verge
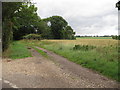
pixel 83 47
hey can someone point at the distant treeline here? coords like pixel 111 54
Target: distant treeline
pixel 116 37
pixel 94 36
pixel 20 19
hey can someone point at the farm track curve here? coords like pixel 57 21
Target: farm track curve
pixel 52 72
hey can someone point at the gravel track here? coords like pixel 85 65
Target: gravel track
pixel 53 72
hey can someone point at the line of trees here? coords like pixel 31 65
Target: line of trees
pixel 21 18
pixel 94 36
pixel 116 37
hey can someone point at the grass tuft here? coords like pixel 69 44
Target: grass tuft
pixel 41 52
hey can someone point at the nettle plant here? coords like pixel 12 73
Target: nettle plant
pixel 83 47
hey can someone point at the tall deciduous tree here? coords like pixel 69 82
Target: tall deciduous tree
pixel 8 12
pixel 57 25
pixel 26 21
pixel 59 28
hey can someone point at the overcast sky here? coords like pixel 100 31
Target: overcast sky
pixel 86 17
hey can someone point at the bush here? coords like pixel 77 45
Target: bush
pixel 32 36
pixel 116 37
pixel 83 47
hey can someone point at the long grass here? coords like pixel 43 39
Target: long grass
pixel 99 59
pixel 17 50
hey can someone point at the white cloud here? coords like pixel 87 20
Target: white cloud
pixel 85 16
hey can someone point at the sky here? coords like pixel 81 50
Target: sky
pixel 86 17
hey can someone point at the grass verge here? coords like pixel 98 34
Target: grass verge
pixel 17 50
pixel 105 63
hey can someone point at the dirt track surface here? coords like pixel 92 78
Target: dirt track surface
pixel 52 72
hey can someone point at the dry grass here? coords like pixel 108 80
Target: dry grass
pixel 95 42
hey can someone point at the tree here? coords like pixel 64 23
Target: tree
pixel 116 37
pixel 8 12
pixel 26 21
pixel 57 25
pixel 118 5
pixel 19 19
pixel 44 30
pixel 59 28
pixel 68 33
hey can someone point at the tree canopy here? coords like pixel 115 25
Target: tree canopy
pixel 118 5
pixel 8 12
pixel 59 28
pixel 21 19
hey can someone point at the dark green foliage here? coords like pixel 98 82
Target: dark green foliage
pixel 8 12
pixel 44 30
pixel 57 24
pixel 83 47
pixel 32 37
pixel 116 37
pixel 59 28
pixel 19 19
pixel 9 8
pixel 68 33
pixel 26 21
pixel 118 5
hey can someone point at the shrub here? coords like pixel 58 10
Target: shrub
pixel 83 47
pixel 32 36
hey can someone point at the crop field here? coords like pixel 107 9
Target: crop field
pixel 94 42
pixel 97 54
